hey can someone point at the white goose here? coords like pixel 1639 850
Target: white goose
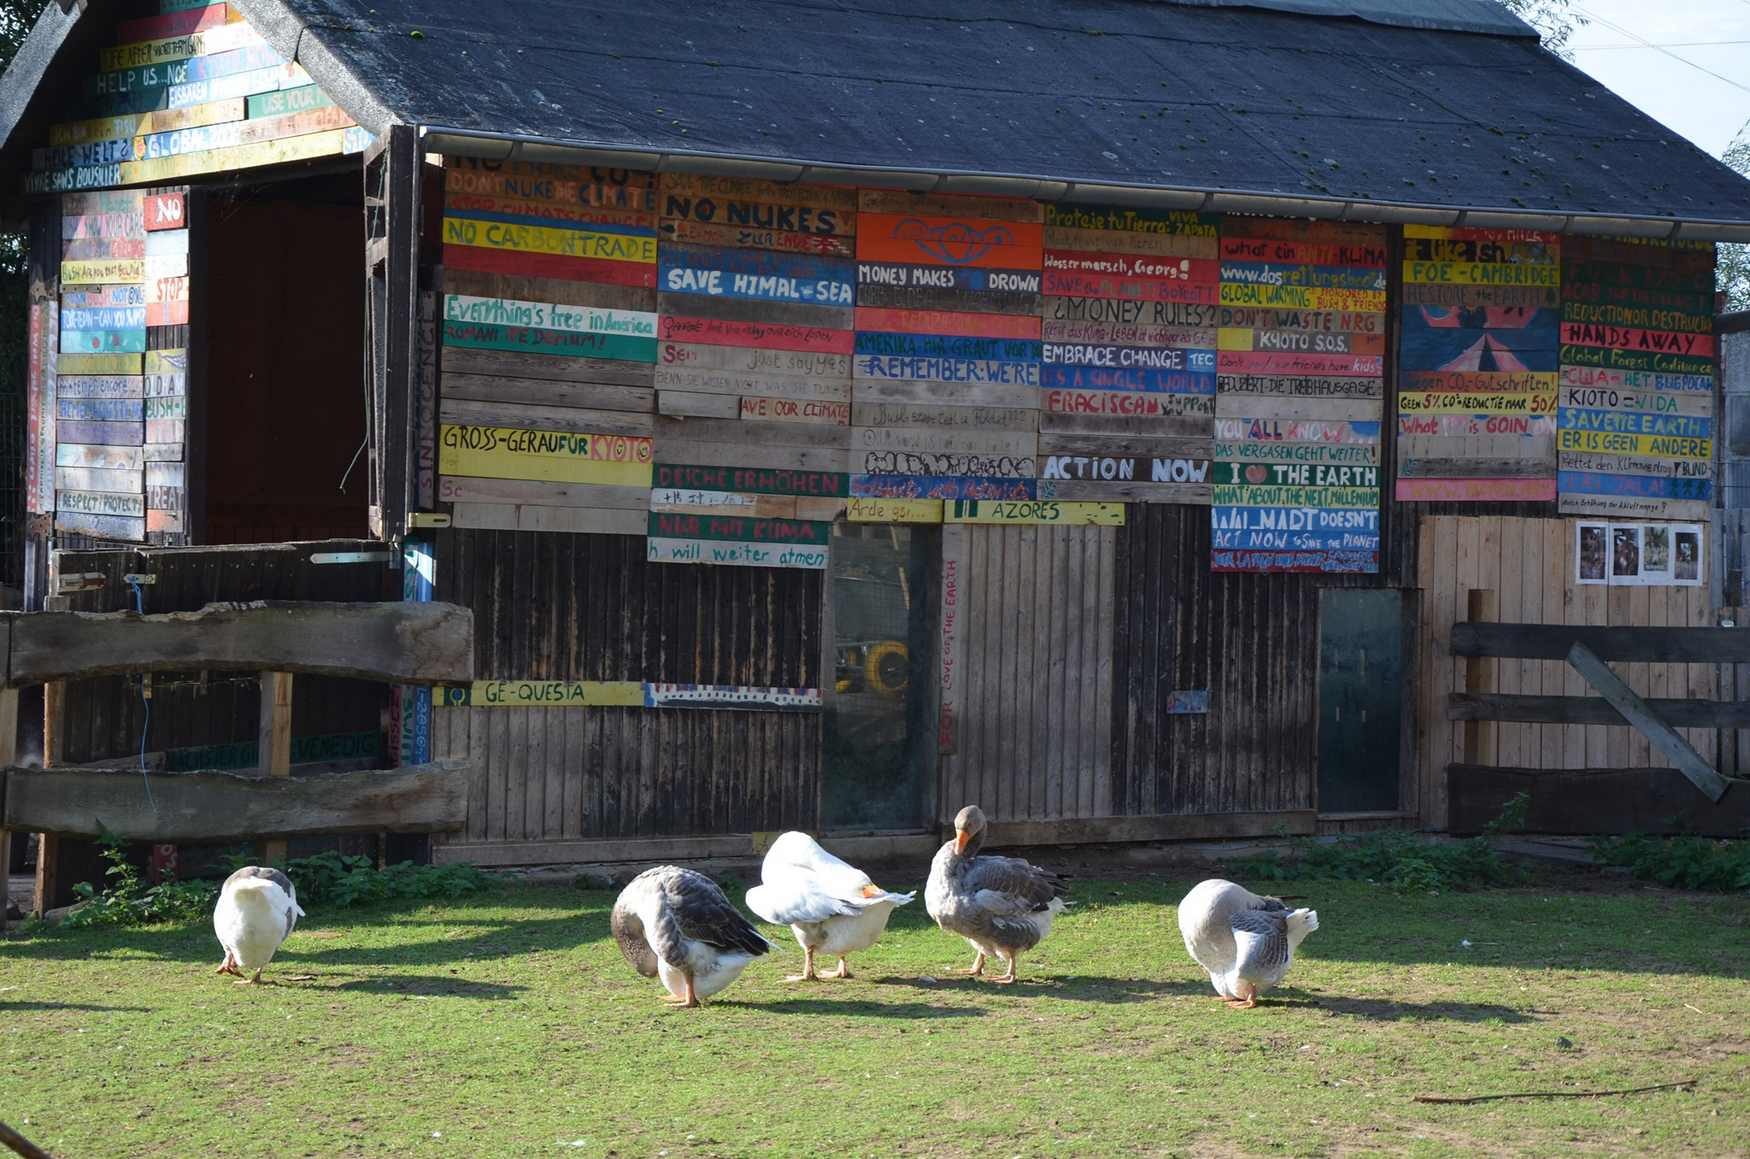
pixel 1244 941
pixel 677 923
pixel 256 912
pixel 833 907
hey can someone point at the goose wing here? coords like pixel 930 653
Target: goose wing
pixel 1014 885
pixel 1261 949
pixel 694 909
pixel 796 898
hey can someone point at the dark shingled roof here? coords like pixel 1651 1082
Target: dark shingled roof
pixel 1375 101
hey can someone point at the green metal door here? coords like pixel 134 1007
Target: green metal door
pixel 1361 690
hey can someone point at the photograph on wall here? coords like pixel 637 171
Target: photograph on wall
pixel 1656 553
pixel 1686 541
pixel 1591 549
pixel 1625 553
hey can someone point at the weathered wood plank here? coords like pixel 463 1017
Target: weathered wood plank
pixel 1686 712
pixel 540 392
pixel 1552 642
pixel 1592 801
pixel 274 743
pixel 400 643
pixel 1183 826
pixel 8 754
pixel 1634 710
pixel 222 806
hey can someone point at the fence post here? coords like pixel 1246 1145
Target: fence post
pixel 1480 736
pixel 8 758
pixel 48 845
pixel 275 737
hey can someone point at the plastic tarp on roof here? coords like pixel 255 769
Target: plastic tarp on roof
pixel 1485 16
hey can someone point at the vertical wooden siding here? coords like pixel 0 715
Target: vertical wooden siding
pixel 1251 641
pixel 104 716
pixel 1037 616
pixel 590 607
pixel 1529 565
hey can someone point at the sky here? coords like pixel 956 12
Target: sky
pixel 1711 34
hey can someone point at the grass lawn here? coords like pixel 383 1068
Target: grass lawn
pixel 508 1024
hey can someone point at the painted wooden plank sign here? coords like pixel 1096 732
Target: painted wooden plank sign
pixel 1130 348
pixel 540 694
pixel 1299 397
pixel 1635 425
pixel 549 322
pixel 554 456
pixel 1490 354
pixel 999 511
pixel 873 510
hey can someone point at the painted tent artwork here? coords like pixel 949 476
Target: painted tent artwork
pixel 1481 328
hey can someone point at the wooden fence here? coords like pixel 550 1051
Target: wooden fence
pixel 1522 571
pixel 409 643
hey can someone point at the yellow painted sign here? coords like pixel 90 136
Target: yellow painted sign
pixel 540 694
pixel 103 272
pixel 545 456
pixel 1300 297
pixel 325 144
pixel 540 239
pixel 1619 443
pixel 895 511
pixel 98 363
pixel 1542 274
pixel 141 124
pixel 1476 402
pixel 1033 511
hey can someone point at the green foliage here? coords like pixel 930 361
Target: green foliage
pixel 1680 862
pixel 1732 273
pixel 329 880
pixel 335 880
pixel 1396 858
pixel 1555 21
pixel 127 900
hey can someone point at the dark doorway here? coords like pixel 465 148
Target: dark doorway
pixel 284 381
pixel 1361 698
pixel 879 735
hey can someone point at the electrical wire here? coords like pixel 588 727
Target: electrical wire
pixel 1614 27
pixel 145 702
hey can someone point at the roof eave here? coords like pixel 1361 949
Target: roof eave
pixel 508 146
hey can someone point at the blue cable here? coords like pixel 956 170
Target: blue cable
pixel 146 703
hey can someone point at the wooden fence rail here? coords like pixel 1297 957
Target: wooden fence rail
pixel 1595 799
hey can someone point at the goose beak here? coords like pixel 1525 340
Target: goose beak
pixel 961 838
pixel 871 890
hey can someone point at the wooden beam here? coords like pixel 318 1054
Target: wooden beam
pixel 48 848
pixel 1478 740
pixel 1592 801
pixel 1647 645
pixel 654 850
pixel 1593 710
pixel 401 643
pixel 274 744
pixel 1634 710
pixel 225 806
pixel 8 755
pixel 1175 827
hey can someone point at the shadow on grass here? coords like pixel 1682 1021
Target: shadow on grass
pixel 1076 987
pixel 428 986
pixel 1385 1010
pixel 860 1009
pixel 20 1007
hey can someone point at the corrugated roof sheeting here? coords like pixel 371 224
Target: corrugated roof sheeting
pixel 1183 95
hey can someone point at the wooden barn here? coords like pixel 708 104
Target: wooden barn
pixel 1147 419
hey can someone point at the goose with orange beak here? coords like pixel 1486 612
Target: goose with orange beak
pixel 833 907
pixel 1003 906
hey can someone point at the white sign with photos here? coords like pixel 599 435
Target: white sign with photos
pixel 1639 554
